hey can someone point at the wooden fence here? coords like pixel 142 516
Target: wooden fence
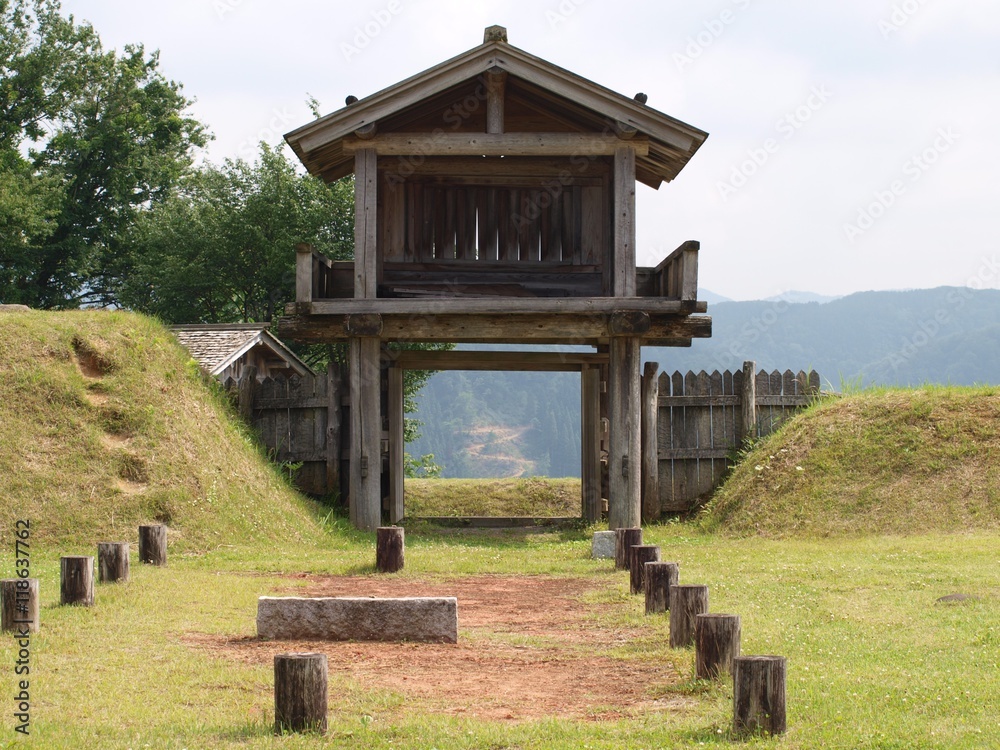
pixel 702 420
pixel 299 421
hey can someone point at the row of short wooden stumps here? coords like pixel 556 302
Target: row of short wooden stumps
pixel 300 679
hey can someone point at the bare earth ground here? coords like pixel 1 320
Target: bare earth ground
pixel 528 648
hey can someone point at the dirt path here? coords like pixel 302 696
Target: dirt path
pixel 528 648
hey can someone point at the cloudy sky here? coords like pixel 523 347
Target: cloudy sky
pixel 853 145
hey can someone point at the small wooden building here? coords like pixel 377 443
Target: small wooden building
pixel 225 350
pixel 495 203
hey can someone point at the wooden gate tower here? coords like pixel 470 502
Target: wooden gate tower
pixel 495 203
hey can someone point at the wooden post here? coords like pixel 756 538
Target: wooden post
pixel 389 548
pixel 397 444
pixel 686 603
pixel 334 386
pixel 303 272
pixel 716 644
pixel 247 386
pixel 748 403
pixel 112 562
pixel 153 544
pixel 639 555
pixel 366 434
pixel 650 452
pixel 625 538
pixel 76 584
pixel 300 693
pixel 590 442
pixel 625 457
pixel 660 576
pixel 496 79
pixel 365 216
pixel 19 605
pixel 759 684
pixel 623 258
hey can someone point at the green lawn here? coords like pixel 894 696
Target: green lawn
pixel 873 661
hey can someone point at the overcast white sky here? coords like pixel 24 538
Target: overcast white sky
pixel 853 145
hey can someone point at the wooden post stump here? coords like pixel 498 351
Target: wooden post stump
pixel 660 576
pixel 639 555
pixel 686 603
pixel 112 562
pixel 389 547
pixel 19 604
pixel 625 538
pixel 759 694
pixel 76 580
pixel 153 544
pixel 300 687
pixel 716 644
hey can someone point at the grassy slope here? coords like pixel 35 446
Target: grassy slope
pixel 877 462
pixel 105 423
pixel 535 496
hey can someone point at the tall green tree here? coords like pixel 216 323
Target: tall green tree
pixel 221 249
pixel 88 139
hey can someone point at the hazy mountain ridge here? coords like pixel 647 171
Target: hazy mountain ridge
pixel 948 335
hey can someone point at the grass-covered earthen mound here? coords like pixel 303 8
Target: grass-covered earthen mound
pixel 879 462
pixel 106 423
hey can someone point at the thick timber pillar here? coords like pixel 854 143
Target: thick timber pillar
pixel 397 444
pixel 625 457
pixel 366 433
pixel 590 442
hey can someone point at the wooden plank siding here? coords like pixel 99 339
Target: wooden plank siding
pixel 700 426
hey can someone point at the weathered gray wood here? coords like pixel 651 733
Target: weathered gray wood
pixel 659 577
pixel 686 603
pixel 759 694
pixel 623 258
pixel 512 305
pixel 389 549
pixel 716 643
pixel 639 555
pixel 76 580
pixel 492 144
pixel 303 273
pixel 397 444
pixel 365 218
pixel 590 442
pixel 420 619
pixel 334 429
pixel 366 433
pixel 495 86
pixel 300 693
pixel 153 544
pixel 247 388
pixel 19 608
pixel 112 562
pixel 625 458
pixel 748 410
pixel 625 539
pixel 650 449
pixel 415 359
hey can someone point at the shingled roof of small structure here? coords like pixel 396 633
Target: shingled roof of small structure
pixel 216 346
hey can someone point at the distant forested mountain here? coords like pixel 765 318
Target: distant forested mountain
pixel 510 424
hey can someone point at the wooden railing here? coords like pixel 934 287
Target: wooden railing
pixel 676 277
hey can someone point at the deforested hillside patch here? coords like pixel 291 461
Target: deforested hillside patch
pixel 106 423
pixel 878 462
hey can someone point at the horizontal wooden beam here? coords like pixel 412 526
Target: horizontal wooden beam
pixel 495 361
pixel 589 329
pixel 498 306
pixel 495 144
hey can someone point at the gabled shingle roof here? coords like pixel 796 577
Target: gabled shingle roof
pixel 217 346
